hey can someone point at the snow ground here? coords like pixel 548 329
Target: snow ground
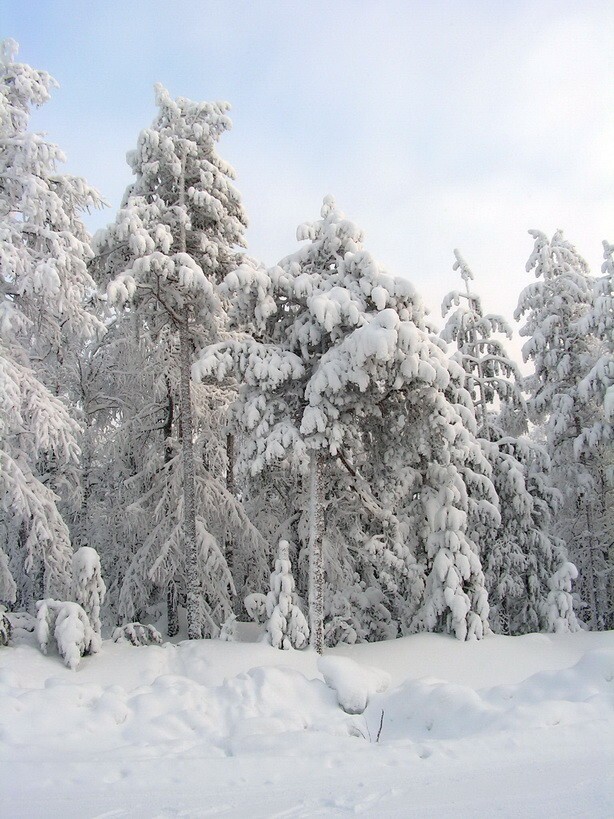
pixel 520 726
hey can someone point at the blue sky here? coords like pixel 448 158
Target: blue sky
pixel 434 124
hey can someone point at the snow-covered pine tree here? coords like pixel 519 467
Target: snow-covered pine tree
pixel 176 235
pixel 342 383
pixel 556 308
pixel 44 285
pixel 519 556
pixel 286 625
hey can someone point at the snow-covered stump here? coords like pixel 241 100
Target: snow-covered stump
pixel 88 586
pixel 286 625
pixel 316 557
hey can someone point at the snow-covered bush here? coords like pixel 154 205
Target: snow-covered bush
pixel 137 634
pixel 228 632
pixel 286 625
pixel 561 616
pixel 88 586
pixel 255 606
pixel 6 628
pixel 69 625
pixel 358 613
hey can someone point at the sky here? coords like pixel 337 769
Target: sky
pixel 436 125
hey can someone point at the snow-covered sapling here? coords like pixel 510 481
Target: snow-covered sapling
pixel 88 586
pixel 286 625
pixel 255 606
pixel 137 634
pixel 6 628
pixel 228 632
pixel 561 616
pixel 69 625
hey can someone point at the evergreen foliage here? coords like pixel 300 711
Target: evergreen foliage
pixel 559 312
pixel 44 322
pixel 197 409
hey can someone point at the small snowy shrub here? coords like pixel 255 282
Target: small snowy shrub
pixel 561 616
pixel 286 625
pixel 255 606
pixel 88 586
pixel 6 629
pixel 69 625
pixel 228 632
pixel 138 634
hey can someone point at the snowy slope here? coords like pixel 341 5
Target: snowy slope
pixel 518 726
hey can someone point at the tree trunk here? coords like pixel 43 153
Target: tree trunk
pixel 189 492
pixel 194 591
pixel 172 627
pixel 316 557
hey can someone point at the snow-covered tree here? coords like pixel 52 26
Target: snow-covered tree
pixel 44 287
pixel 343 385
pixel 286 625
pixel 491 375
pixel 557 308
pixel 519 556
pixel 176 235
pixel 88 586
pixel 560 602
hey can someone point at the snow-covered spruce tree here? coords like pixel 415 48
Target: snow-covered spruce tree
pixel 562 618
pixel 44 285
pixel 597 390
pixel 555 309
pixel 175 236
pixel 88 586
pixel 286 625
pixel 342 383
pixel 490 372
pixel 520 556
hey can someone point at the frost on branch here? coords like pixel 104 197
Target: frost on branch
pixel 67 624
pixel 286 625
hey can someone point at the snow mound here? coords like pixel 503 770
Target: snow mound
pixel 237 729
pixel 431 710
pixel 353 684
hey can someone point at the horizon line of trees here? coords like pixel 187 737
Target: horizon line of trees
pixel 191 415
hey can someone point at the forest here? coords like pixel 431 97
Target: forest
pixel 190 439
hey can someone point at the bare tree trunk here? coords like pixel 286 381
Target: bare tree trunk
pixel 172 615
pixel 316 557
